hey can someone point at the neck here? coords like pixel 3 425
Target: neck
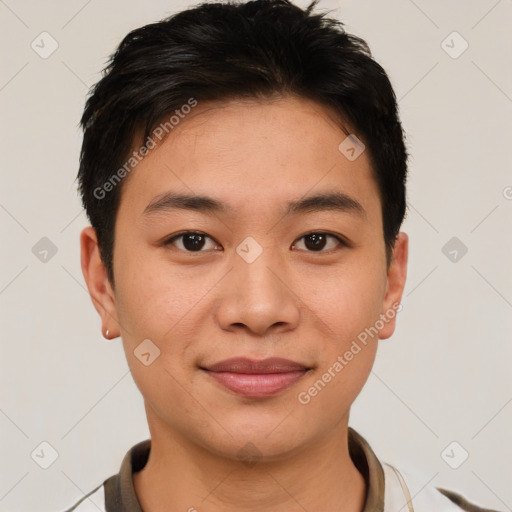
pixel 185 476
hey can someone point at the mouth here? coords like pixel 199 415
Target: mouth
pixel 256 379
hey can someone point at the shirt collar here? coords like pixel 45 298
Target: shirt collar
pixel 120 492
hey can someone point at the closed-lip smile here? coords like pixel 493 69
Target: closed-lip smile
pixel 256 378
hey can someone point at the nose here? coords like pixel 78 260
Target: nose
pixel 259 297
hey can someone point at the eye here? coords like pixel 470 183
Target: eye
pixel 192 241
pixel 319 242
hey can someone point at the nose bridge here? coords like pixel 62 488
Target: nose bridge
pixel 256 267
pixel 256 295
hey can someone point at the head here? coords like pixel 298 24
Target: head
pixel 273 136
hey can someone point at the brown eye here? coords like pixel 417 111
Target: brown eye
pixel 318 242
pixel 192 241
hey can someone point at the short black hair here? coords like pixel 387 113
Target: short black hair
pixel 222 51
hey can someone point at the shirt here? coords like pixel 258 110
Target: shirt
pixel 387 489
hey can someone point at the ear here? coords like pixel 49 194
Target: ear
pixel 397 275
pixel 100 289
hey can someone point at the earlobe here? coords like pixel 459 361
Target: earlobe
pixel 98 284
pixel 397 275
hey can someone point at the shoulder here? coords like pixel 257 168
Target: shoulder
pixel 405 490
pixel 91 502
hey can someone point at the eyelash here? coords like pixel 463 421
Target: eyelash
pixel 341 242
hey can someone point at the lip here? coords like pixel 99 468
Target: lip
pixel 256 378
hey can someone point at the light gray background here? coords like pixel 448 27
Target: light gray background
pixel 445 375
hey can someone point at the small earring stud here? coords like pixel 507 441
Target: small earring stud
pixel 106 333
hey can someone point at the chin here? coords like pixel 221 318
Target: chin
pixel 266 440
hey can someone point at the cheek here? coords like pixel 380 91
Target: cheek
pixel 167 308
pixel 332 391
pixel 347 303
pixel 161 311
pixel 345 310
pixel 153 301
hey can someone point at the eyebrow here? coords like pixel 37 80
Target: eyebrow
pixel 171 201
pixel 328 201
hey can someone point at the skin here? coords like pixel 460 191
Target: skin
pixel 292 302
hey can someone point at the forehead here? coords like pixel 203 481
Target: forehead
pixel 250 152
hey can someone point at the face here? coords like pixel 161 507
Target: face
pixel 283 257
